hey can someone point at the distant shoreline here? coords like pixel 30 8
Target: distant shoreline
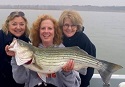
pixel 62 7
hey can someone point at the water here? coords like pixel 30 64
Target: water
pixel 105 29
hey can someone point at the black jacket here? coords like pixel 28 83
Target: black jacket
pixel 6 78
pixel 81 40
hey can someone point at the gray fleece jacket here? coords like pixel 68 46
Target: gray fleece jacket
pixel 31 78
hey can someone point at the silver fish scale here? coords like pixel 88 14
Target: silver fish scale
pixel 59 55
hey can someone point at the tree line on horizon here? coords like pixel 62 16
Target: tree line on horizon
pixel 63 7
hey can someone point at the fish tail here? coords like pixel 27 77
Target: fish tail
pixel 107 70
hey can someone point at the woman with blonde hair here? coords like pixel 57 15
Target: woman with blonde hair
pixel 71 25
pixel 15 26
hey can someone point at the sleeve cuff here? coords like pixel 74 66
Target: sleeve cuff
pixel 66 73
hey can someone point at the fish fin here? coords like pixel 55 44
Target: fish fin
pixel 40 68
pixel 107 70
pixel 42 76
pixel 77 49
pixel 35 64
pixel 21 61
pixel 33 67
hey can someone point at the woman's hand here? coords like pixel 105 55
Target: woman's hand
pixel 8 52
pixel 69 66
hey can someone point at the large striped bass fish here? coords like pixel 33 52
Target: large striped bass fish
pixel 52 59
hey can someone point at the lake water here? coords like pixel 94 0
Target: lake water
pixel 105 29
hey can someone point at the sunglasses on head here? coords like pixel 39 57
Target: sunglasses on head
pixel 20 13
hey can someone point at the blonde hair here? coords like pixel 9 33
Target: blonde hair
pixel 73 16
pixel 12 15
pixel 35 37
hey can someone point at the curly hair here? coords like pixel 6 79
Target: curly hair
pixel 35 37
pixel 5 26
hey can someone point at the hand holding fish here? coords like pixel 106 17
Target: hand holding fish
pixel 69 66
pixel 8 52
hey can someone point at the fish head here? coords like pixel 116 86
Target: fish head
pixel 23 51
pixel 19 45
pixel 13 45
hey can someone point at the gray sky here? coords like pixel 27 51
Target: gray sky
pixel 64 2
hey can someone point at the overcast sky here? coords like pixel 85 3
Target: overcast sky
pixel 64 2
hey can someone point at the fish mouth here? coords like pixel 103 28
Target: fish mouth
pixel 13 44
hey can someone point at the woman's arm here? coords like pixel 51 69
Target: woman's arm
pixel 20 73
pixel 70 79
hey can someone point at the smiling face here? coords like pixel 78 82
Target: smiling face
pixel 47 31
pixel 69 29
pixel 17 26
